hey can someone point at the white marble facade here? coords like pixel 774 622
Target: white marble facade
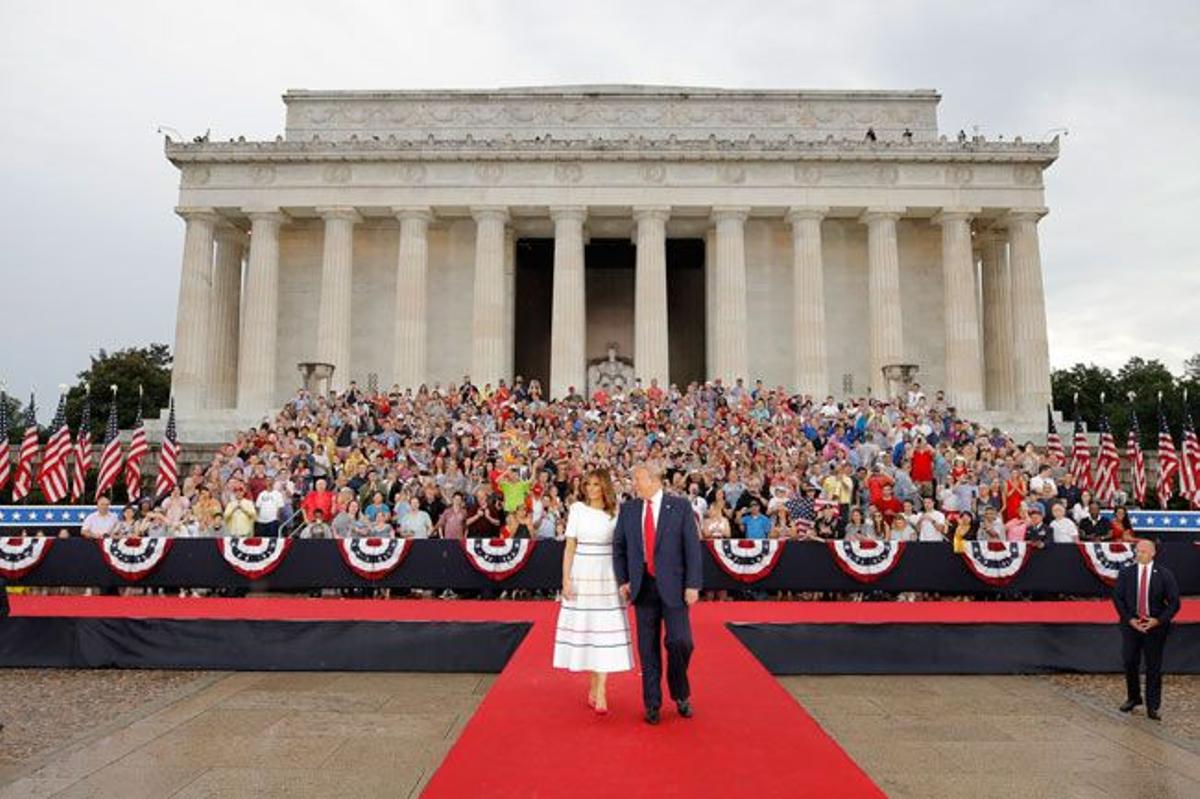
pixel 379 234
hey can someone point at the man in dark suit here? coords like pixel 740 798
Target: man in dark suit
pixel 3 614
pixel 1147 598
pixel 662 586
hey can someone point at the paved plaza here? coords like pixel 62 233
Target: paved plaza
pixel 219 734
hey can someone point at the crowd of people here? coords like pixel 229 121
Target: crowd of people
pixel 466 460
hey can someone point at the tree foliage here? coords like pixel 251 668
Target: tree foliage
pixel 1145 379
pixel 148 367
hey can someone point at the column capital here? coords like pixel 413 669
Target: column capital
pixel 346 212
pixel 230 233
pixel 273 215
pixel 569 213
pixel 882 214
pixel 422 213
pixel 954 215
pixel 799 213
pixel 198 213
pixel 481 213
pixel 1022 215
pixel 660 213
pixel 722 213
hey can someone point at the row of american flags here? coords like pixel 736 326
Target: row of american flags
pixel 1178 470
pixel 65 463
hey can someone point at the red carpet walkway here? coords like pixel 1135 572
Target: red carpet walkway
pixel 534 736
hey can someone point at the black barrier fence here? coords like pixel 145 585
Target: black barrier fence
pixel 438 564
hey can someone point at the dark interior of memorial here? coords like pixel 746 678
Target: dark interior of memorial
pixel 610 271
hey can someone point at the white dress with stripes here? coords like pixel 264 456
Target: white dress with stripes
pixel 593 628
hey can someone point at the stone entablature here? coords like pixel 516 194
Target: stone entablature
pixel 612 111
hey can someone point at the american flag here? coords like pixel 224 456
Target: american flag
pixel 26 455
pixel 1190 460
pixel 1137 462
pixel 110 458
pixel 1081 455
pixel 52 477
pixel 1107 461
pixel 133 461
pixel 1168 461
pixel 83 450
pixel 5 452
pixel 1054 445
pixel 168 459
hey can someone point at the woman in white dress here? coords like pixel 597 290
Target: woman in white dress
pixel 593 630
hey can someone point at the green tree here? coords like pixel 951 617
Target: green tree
pixel 148 367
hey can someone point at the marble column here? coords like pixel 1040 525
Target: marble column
pixel 189 370
pixel 883 294
pixel 809 347
pixel 411 331
pixel 964 356
pixel 997 322
pixel 257 352
pixel 337 282
pixel 510 303
pixel 488 323
pixel 651 356
pixel 568 314
pixel 710 293
pixel 1031 351
pixel 730 348
pixel 225 318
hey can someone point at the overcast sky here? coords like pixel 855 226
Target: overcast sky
pixel 91 248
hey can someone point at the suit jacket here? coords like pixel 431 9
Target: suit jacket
pixel 3 599
pixel 1163 594
pixel 677 563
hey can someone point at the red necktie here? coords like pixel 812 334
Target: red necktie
pixel 1143 592
pixel 648 536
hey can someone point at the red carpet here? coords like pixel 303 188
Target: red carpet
pixel 1094 611
pixel 534 736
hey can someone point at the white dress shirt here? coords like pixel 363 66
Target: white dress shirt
pixel 1145 571
pixel 656 507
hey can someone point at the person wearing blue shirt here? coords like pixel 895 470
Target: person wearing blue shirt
pixel 755 524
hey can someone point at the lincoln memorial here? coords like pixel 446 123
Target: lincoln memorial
pixel 568 233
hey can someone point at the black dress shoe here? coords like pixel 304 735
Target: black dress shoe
pixel 685 708
pixel 1154 715
pixel 1130 705
pixel 651 715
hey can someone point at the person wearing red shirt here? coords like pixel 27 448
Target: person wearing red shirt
pixel 888 505
pixel 922 467
pixel 319 499
pixel 877 482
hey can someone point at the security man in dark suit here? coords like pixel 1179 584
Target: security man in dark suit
pixel 1147 598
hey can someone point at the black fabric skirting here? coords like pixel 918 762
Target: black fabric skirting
pixel 934 648
pixel 258 645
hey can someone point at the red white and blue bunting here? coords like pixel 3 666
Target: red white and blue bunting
pixel 1105 558
pixel 866 561
pixel 373 558
pixel 498 558
pixel 746 560
pixel 133 558
pixel 19 556
pixel 996 562
pixel 254 557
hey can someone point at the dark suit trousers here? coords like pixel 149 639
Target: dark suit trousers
pixel 651 615
pixel 1134 646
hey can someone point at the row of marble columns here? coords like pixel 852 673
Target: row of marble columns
pixel 998 362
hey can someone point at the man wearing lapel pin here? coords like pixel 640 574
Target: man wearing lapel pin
pixel 662 584
pixel 1147 598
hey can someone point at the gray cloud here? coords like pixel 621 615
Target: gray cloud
pixel 92 249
